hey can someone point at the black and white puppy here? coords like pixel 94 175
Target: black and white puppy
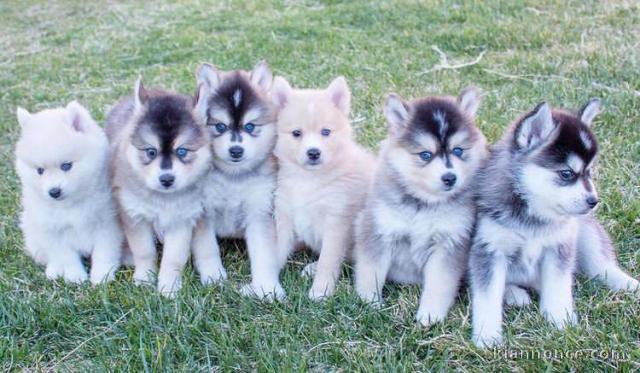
pixel 534 200
pixel 239 189
pixel 417 223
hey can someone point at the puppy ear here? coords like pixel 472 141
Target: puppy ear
pixel 340 95
pixel 209 77
pixel 535 128
pixel 79 117
pixel 590 110
pixel 262 76
pixel 280 92
pixel 396 111
pixel 469 101
pixel 23 116
pixel 140 94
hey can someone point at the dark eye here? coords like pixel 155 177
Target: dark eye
pixel 325 132
pixel 181 152
pixel 221 127
pixel 457 152
pixel 66 166
pixel 567 175
pixel 151 153
pixel 40 170
pixel 425 156
pixel 296 133
pixel 249 127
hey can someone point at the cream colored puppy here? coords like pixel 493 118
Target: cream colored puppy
pixel 322 178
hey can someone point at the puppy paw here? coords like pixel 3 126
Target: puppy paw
pixel 75 275
pixel 516 296
pixel 169 286
pixel 54 271
pixel 101 276
pixel 309 271
pixel 320 293
pixel 487 340
pixel 372 298
pixel 143 277
pixel 427 318
pixel 268 293
pixel 213 277
pixel 562 319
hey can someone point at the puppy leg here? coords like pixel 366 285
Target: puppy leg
pixel 441 278
pixel 285 237
pixel 372 263
pixel 206 253
pixel 265 266
pixel 66 263
pixel 597 257
pixel 175 255
pixel 140 241
pixel 488 277
pixel 516 296
pixel 556 282
pixel 107 252
pixel 335 241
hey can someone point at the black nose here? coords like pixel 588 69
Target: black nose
pixel 55 193
pixel 449 179
pixel 236 151
pixel 592 201
pixel 313 154
pixel 167 180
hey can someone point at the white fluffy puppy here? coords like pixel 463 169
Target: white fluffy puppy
pixel 68 212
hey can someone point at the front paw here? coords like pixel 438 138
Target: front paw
pixel 213 277
pixel 143 276
pixel 562 319
pixel 169 286
pixel 72 274
pixel 321 292
pixel 427 317
pixel 517 297
pixel 54 271
pixel 267 293
pixel 488 339
pixel 102 276
pixel 309 271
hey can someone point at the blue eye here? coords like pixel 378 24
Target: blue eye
pixel 66 166
pixel 325 132
pixel 40 170
pixel 457 152
pixel 181 152
pixel 221 127
pixel 567 175
pixel 151 153
pixel 425 156
pixel 249 127
pixel 296 133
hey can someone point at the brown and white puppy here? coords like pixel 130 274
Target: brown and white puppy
pixel 321 180
pixel 160 154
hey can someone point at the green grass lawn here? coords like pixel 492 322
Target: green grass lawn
pixel 54 52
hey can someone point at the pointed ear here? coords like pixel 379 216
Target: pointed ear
pixel 140 94
pixel 23 116
pixel 79 117
pixel 590 110
pixel 396 112
pixel 338 92
pixel 262 76
pixel 536 128
pixel 209 77
pixel 280 92
pixel 469 100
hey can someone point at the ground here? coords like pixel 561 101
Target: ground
pixel 519 53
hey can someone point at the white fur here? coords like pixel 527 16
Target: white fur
pixel 58 233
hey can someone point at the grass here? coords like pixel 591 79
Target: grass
pixel 565 52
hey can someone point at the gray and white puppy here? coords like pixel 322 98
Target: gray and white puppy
pixel 534 201
pixel 160 155
pixel 419 215
pixel 240 121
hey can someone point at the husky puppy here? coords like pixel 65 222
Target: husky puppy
pixel 68 213
pixel 321 180
pixel 240 120
pixel 160 155
pixel 534 198
pixel 419 215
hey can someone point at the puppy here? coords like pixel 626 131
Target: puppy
pixel 534 198
pixel 68 213
pixel 417 223
pixel 239 189
pixel 321 180
pixel 160 156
